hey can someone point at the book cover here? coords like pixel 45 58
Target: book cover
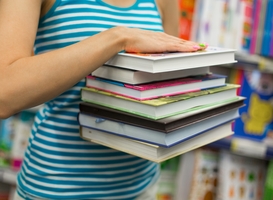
pixel 240 177
pixel 166 182
pixel 260 32
pixel 247 23
pixel 186 17
pixel 256 12
pixel 256 121
pixel 197 175
pixel 267 29
pixel 268 188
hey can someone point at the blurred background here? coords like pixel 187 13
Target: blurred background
pixel 235 168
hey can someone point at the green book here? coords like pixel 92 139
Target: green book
pixel 162 107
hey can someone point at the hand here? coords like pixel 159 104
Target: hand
pixel 143 41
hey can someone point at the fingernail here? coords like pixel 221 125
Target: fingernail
pixel 203 45
pixel 196 47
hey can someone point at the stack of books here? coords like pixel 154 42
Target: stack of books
pixel 158 106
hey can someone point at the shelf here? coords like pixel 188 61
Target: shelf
pixel 8 176
pixel 255 61
pixel 245 147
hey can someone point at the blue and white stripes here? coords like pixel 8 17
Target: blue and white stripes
pixel 58 163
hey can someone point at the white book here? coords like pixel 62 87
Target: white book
pixel 137 77
pixel 155 63
pixel 197 174
pixel 240 177
pixel 153 152
pixel 161 107
pixel 157 89
pixel 156 137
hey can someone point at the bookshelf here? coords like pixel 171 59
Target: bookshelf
pixel 254 61
pixel 7 174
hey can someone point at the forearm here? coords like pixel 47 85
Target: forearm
pixel 33 80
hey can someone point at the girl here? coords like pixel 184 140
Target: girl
pixel 71 38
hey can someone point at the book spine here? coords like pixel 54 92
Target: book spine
pixel 271 32
pixel 255 25
pixel 267 29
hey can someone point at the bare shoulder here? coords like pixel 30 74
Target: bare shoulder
pixel 18 28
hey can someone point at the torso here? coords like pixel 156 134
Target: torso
pixel 59 164
pixel 47 4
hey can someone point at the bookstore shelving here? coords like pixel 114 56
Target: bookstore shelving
pixel 205 27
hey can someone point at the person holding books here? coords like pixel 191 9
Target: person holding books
pixel 71 38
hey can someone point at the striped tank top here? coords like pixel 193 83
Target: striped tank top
pixel 58 163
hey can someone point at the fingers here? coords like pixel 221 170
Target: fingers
pixel 185 45
pixel 144 41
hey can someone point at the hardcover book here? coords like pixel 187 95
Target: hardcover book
pixel 165 125
pixel 165 62
pixel 154 152
pixel 157 89
pixel 138 77
pixel 183 133
pixel 161 107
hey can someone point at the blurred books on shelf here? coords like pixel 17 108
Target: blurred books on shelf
pixel 240 177
pixel 167 180
pixel 243 25
pixel 199 169
pixel 217 174
pixel 256 121
pixel 14 135
pixel 253 130
pixel 268 187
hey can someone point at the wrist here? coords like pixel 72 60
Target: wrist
pixel 121 33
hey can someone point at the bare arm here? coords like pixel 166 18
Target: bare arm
pixel 169 10
pixel 28 80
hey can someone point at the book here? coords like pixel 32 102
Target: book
pixel 153 152
pixel 166 180
pixel 160 107
pixel 164 62
pixel 186 8
pixel 137 77
pixel 268 187
pixel 240 177
pixel 253 124
pixel 261 25
pixel 165 125
pixel 183 133
pixel 157 89
pixel 197 175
